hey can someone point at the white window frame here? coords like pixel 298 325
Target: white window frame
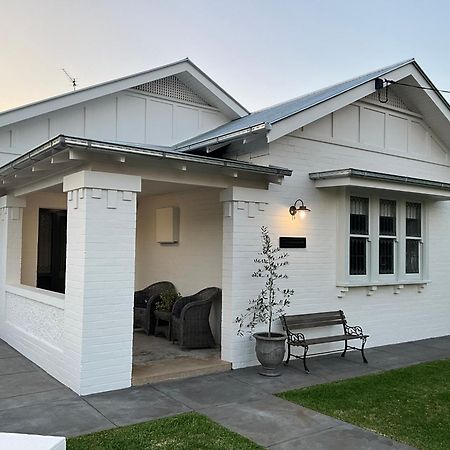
pixel 373 277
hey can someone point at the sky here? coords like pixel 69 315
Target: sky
pixel 260 51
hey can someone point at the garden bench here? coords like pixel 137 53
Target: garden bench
pixel 321 319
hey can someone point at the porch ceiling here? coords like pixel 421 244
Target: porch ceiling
pixel 46 165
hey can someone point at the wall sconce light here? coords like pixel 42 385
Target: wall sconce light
pixel 298 206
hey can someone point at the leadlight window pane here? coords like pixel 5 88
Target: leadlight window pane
pixel 359 215
pixel 412 256
pixel 386 256
pixel 413 219
pixel 358 256
pixel 387 218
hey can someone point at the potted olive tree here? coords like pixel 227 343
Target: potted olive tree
pixel 267 307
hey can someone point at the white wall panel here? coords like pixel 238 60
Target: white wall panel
pixel 321 127
pixel 210 120
pixel 159 122
pixel 30 133
pixel 186 122
pixel 372 127
pixel 69 121
pixel 396 133
pixel 131 112
pixel 436 151
pixel 5 140
pixel 418 138
pixel 101 120
pixel 346 124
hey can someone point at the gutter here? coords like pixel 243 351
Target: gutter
pixel 62 143
pixel 229 137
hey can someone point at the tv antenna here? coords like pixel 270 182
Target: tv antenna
pixel 71 78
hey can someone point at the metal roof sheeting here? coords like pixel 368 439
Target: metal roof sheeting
pixel 273 114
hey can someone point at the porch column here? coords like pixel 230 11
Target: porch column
pixel 244 214
pixel 11 209
pixel 101 228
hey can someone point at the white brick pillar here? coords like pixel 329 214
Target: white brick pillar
pixel 101 228
pixel 245 212
pixel 11 212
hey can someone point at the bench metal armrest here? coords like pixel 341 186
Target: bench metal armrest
pixel 295 338
pixel 354 331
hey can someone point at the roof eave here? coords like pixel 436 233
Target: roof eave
pixel 61 143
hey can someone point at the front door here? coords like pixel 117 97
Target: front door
pixel 51 264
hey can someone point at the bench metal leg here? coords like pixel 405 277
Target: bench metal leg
pixel 362 351
pixel 345 349
pixel 305 351
pixel 288 356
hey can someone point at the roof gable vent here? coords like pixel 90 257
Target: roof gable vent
pixel 172 87
pixel 393 99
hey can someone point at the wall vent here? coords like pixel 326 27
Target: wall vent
pixel 172 87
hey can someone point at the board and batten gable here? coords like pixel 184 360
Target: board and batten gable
pixel 130 116
pixel 393 129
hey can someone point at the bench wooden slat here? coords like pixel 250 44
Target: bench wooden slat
pixel 326 339
pixel 324 315
pixel 312 320
pixel 321 323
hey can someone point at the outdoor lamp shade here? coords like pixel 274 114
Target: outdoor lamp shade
pixel 299 205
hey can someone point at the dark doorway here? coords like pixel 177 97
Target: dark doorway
pixel 51 265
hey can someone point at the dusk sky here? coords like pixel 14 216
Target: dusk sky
pixel 262 52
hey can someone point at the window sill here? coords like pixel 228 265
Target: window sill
pixel 50 298
pixel 343 287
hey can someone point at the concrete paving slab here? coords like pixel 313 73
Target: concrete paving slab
pixel 417 352
pixel 382 361
pixel 439 343
pixel 6 351
pixel 26 383
pixel 62 418
pixel 16 364
pixel 269 420
pixel 345 437
pixel 334 367
pixel 39 398
pixel 291 378
pixel 206 391
pixel 137 404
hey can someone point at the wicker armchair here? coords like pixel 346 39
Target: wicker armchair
pixel 145 304
pixel 190 319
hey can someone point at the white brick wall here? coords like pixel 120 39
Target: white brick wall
pixel 387 317
pixel 101 228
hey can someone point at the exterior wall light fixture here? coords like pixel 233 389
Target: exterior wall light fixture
pixel 299 205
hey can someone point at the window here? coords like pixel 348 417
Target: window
pixel 388 237
pixel 384 243
pixel 359 235
pixel 413 237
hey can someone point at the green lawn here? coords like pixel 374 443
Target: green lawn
pixel 411 405
pixel 184 432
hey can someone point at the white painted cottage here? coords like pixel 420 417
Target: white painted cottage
pixel 98 165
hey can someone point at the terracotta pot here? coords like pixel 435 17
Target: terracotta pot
pixel 270 352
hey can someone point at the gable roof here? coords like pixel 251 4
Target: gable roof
pixel 188 73
pixel 266 118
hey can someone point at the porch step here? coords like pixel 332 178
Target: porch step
pixel 173 369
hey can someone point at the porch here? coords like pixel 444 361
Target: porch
pixel 67 304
